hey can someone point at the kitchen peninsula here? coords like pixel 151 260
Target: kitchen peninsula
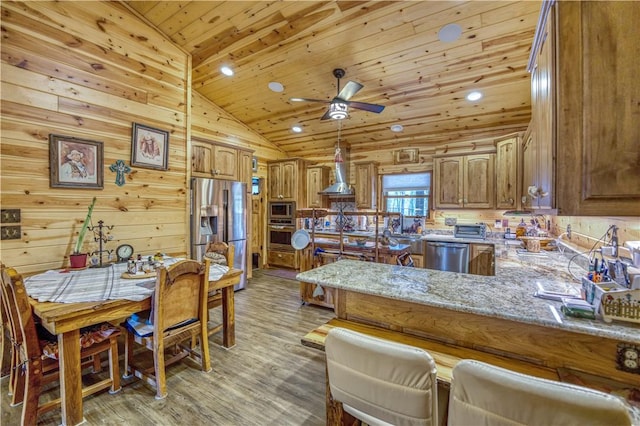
pixel 494 314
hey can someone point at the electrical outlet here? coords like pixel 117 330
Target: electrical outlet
pixel 10 233
pixel 10 216
pixel 569 231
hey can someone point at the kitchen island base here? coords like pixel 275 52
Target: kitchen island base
pixel 545 346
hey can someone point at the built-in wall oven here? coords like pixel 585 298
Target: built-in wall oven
pixel 279 237
pixel 281 226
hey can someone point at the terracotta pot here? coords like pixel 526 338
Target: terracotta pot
pixel 78 260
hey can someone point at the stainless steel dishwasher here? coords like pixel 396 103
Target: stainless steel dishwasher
pixel 445 256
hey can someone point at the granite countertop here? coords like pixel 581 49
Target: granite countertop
pixel 508 294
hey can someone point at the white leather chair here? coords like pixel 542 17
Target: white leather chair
pixel 483 394
pixel 381 382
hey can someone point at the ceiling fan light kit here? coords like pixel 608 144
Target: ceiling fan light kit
pixel 338 110
pixel 339 106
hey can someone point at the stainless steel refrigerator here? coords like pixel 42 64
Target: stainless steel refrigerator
pixel 219 213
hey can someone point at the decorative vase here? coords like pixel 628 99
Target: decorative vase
pixel 78 260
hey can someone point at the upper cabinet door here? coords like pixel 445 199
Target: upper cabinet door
pixel 245 168
pixel 289 183
pixel 507 183
pixel 449 182
pixel 275 179
pixel 225 162
pixel 365 188
pixel 317 180
pixel 201 159
pixel 479 178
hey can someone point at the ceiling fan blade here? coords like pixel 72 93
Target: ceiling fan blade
pixel 367 107
pixel 349 89
pixel 309 100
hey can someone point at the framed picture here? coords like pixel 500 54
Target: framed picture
pixel 149 147
pixel 75 162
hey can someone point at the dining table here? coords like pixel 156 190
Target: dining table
pixel 66 301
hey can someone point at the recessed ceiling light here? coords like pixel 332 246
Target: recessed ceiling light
pixel 226 71
pixel 474 96
pixel 396 128
pixel 276 87
pixel 450 32
pixel 296 129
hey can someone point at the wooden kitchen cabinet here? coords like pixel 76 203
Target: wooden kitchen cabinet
pixel 464 181
pixel 285 259
pixel 287 181
pixel 585 108
pixel 317 180
pixel 365 187
pixel 214 161
pixel 507 169
pixel 538 188
pixel 482 260
pixel 245 168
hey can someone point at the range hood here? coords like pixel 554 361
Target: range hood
pixel 340 187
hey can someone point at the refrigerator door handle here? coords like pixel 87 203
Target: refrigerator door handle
pixel 225 209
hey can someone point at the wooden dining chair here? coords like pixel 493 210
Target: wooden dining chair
pixel 37 351
pixel 178 317
pixel 13 335
pixel 222 254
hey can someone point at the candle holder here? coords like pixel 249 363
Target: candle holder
pixel 101 238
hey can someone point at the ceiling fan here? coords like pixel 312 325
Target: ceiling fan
pixel 339 105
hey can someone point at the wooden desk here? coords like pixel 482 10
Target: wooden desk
pixel 66 319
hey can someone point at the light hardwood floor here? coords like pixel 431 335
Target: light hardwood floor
pixel 268 378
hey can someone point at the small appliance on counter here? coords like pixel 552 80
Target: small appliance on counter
pixel 478 230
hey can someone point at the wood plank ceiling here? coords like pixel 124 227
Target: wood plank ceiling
pixel 390 47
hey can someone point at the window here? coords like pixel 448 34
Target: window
pixel 407 194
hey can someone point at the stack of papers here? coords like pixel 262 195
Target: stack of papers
pixel 554 295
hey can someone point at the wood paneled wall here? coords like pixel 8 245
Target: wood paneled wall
pixel 89 70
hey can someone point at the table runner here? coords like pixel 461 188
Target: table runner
pixel 97 284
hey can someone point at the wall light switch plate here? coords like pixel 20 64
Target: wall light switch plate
pixel 10 216
pixel 10 233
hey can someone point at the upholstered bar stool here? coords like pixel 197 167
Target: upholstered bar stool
pixel 381 382
pixel 483 394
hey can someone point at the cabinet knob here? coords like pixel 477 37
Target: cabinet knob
pixel 459 200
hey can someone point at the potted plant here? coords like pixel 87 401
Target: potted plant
pixel 76 258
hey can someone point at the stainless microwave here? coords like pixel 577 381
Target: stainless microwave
pixel 282 212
